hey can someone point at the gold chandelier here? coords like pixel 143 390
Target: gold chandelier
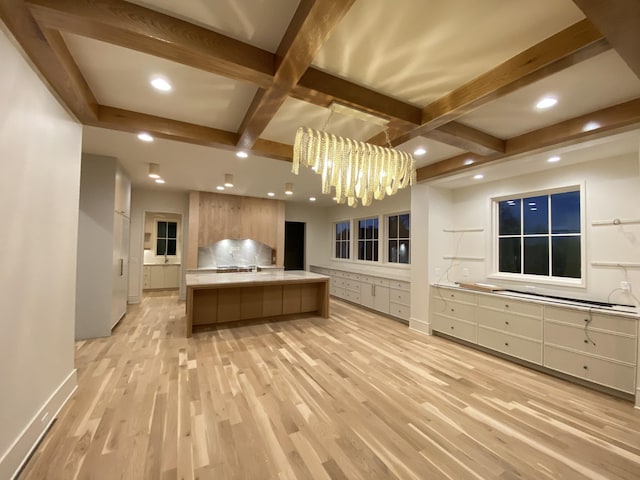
pixel 356 170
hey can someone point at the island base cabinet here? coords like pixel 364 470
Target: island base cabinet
pixel 205 307
pixel 229 301
pixel 610 374
pixel 272 301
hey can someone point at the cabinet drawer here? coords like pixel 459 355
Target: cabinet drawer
pixel 608 345
pixel 383 282
pixel 604 372
pixel 351 276
pixel 352 296
pixel 400 296
pixel 509 305
pixel 399 285
pixel 601 321
pixel 353 285
pixel 455 328
pixel 511 323
pixel 523 348
pixel 338 292
pixel 400 311
pixel 455 295
pixel 461 311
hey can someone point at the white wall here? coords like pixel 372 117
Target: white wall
pixel 156 200
pixel 612 190
pixel 39 187
pixel 315 235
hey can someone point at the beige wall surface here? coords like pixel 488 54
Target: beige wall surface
pixel 39 188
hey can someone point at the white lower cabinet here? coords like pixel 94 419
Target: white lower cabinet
pixel 592 345
pixel 158 277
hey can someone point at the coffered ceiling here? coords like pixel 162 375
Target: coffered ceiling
pixel 458 77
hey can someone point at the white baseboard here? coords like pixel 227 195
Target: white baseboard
pixel 131 300
pixel 637 402
pixel 420 326
pixel 18 453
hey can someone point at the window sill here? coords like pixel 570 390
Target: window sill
pixel 559 282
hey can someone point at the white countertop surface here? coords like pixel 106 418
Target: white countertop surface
pixel 275 276
pixel 402 275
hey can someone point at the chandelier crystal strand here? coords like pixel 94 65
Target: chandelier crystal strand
pixel 357 171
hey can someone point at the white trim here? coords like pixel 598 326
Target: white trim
pixel 17 454
pixel 420 326
pixel 461 257
pixel 459 230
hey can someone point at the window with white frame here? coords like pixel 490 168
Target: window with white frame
pixel 342 239
pixel 166 238
pixel 368 239
pixel 398 238
pixel 541 235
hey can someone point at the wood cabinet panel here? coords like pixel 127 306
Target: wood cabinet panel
pixel 272 301
pixel 229 304
pixel 205 307
pixel 251 305
pixel 291 299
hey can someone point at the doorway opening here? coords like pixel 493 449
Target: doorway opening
pixel 294 245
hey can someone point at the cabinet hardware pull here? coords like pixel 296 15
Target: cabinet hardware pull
pixel 506 306
pixel 121 266
pixel 585 367
pixel 586 320
pixel 506 322
pixel 586 341
pixel 452 295
pixel 506 344
pixel 452 328
pixel 452 310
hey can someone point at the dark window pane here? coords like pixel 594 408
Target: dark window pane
pixel 565 257
pixel 403 255
pixel 375 250
pixel 361 250
pixel 338 247
pixel 536 256
pixel 393 227
pixel 161 246
pixel 368 255
pixel 536 215
pixel 509 217
pixel 509 255
pixel 345 250
pixel 565 212
pixel 171 247
pixel 162 229
pixel 393 251
pixel 374 227
pixel 362 226
pixel 172 230
pixel 404 226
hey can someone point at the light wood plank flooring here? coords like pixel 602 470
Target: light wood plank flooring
pixel 357 396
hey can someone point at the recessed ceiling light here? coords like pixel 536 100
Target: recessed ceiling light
pixel 312 199
pixel 242 154
pixel 546 102
pixel 334 198
pixel 553 159
pixel 159 180
pixel 145 137
pixel 220 187
pixel 288 188
pixel 228 180
pixel 419 151
pixel 469 161
pixel 271 194
pixel 478 176
pixel 161 84
pixel 154 170
pixel 591 126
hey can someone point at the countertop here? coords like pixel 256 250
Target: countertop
pixel 215 269
pixel 401 275
pixel 616 309
pixel 240 278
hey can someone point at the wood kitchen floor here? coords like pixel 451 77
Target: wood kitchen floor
pixel 355 396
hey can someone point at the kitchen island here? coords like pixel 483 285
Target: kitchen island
pixel 214 298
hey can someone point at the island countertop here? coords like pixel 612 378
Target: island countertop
pixel 249 278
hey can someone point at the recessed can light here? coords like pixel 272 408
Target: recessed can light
pixel 553 159
pixel 420 151
pixel 591 126
pixel 159 180
pixel 220 187
pixel 478 176
pixel 145 137
pixel 271 194
pixel 312 199
pixel 546 102
pixel 469 161
pixel 242 154
pixel 161 84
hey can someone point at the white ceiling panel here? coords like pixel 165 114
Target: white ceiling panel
pixel 120 78
pixel 257 22
pixel 418 51
pixel 436 151
pixel 580 89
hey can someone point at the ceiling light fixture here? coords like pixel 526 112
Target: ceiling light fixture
pixel 154 170
pixel 242 154
pixel 546 102
pixel 353 168
pixel 220 187
pixel 288 188
pixel 159 180
pixel 419 151
pixel 161 84
pixel 145 137
pixel 228 180
pixel 590 126
pixel 312 199
pixel 271 194
pixel 478 176
pixel 553 159
pixel 469 161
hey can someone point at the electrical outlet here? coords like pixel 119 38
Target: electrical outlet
pixel 465 272
pixel 626 286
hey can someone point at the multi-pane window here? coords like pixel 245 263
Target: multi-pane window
pixel 368 239
pixel 343 238
pixel 398 238
pixel 540 235
pixel 166 240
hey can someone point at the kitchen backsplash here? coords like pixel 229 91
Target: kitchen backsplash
pixel 235 252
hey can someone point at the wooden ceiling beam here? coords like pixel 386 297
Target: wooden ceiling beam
pixel 467 138
pixel 46 49
pixel 568 47
pixel 619 20
pixel 154 33
pixel 607 121
pixel 310 27
pixel 135 122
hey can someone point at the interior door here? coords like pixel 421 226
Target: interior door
pixel 294 245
